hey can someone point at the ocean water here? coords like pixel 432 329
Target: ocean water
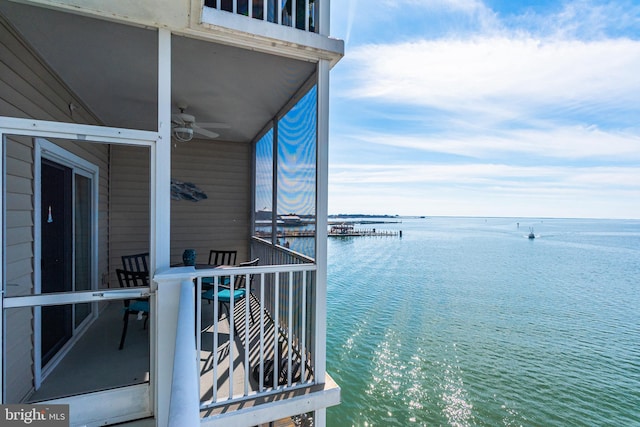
pixel 467 322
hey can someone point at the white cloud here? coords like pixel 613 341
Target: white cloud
pixel 576 142
pixel 532 89
pixel 503 76
pixel 486 174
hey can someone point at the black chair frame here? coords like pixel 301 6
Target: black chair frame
pixel 217 257
pixel 132 279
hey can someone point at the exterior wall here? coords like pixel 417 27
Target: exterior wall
pixel 29 90
pixel 221 221
pixel 129 227
pixel 19 266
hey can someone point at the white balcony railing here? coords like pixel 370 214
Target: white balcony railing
pixel 252 336
pixel 237 348
pixel 275 254
pixel 301 14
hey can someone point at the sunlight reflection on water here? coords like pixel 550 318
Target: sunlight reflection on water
pixel 466 323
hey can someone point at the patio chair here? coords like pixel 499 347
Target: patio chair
pixel 138 307
pixel 239 289
pixel 217 258
pixel 137 263
pixel 222 257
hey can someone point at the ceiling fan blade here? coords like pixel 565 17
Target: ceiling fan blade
pixel 204 132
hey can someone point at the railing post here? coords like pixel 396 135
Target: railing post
pixel 322 171
pixel 160 227
pixel 185 397
pixel 166 316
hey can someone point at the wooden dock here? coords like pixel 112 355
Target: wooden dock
pixel 364 233
pixel 347 229
pixel 335 231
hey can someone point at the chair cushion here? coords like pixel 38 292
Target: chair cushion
pixel 224 295
pixel 139 306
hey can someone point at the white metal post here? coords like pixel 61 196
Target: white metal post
pixel 274 188
pixel 161 165
pixel 167 302
pixel 321 228
pixel 321 218
pixel 185 399
pixel 166 306
pixel 325 17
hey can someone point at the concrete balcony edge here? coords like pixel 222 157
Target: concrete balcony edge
pixel 273 407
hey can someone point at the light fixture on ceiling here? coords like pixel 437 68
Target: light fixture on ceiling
pixel 185 126
pixel 182 133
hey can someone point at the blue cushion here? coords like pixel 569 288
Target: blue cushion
pixel 139 306
pixel 224 295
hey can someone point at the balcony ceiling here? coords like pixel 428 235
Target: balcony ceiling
pixel 112 69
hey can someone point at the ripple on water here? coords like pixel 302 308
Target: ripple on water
pixel 466 328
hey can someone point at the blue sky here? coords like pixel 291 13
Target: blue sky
pixel 486 108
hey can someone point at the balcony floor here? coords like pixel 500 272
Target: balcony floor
pixel 95 363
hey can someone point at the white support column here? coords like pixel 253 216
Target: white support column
pixel 274 185
pixel 320 418
pixel 325 17
pixel 161 164
pixel 163 328
pixel 321 218
pixel 322 191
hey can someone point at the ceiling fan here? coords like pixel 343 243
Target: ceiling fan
pixel 184 126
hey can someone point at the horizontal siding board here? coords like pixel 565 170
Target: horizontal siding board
pixel 28 106
pixel 16 184
pixel 18 237
pixel 134 206
pixel 129 217
pixel 19 286
pixel 20 150
pixel 134 234
pixel 11 110
pixel 18 219
pixel 19 268
pixel 19 201
pixel 26 97
pixel 18 167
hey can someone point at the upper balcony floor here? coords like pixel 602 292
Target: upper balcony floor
pixel 294 28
